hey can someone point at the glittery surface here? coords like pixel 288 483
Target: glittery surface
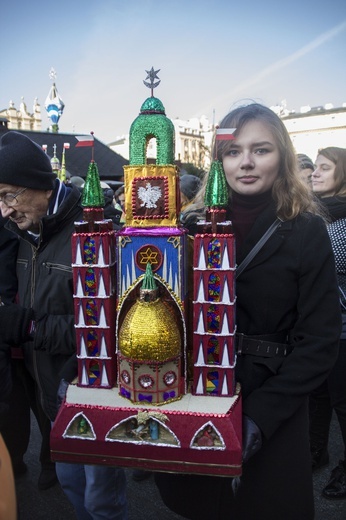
pixel 214 287
pixel 214 254
pixel 92 343
pixel 92 192
pixel 89 251
pixel 149 332
pixel 145 127
pixel 213 319
pixel 91 312
pixel 213 351
pixel 216 193
pixel 153 104
pixel 151 195
pixel 94 374
pixel 212 383
pixel 90 286
pixel 149 283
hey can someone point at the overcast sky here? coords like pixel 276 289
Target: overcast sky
pixel 212 54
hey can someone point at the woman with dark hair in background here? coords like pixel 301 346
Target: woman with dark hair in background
pixel 329 184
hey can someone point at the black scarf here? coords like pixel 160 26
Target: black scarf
pixel 336 207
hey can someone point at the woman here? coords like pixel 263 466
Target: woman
pixel 287 291
pixel 329 184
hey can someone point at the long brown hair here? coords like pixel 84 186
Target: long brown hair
pixel 338 157
pixel 290 193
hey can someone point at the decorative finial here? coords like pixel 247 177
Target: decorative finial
pixel 55 162
pixel 152 75
pixel 52 74
pixel 149 290
pixel 54 105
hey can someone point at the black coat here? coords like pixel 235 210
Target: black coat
pixel 289 286
pixel 8 289
pixel 45 283
pixel 8 254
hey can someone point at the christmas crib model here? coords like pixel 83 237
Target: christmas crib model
pixel 156 386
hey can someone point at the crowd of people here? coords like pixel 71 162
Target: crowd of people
pixel 291 309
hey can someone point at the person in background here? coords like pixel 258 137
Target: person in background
pixel 41 211
pixel 78 181
pixel 10 335
pixel 119 202
pixel 288 316
pixel 16 414
pixel 329 184
pixel 189 186
pixel 306 167
pixel 110 211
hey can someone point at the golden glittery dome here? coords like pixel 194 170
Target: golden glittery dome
pixel 149 332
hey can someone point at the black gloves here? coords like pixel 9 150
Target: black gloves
pixel 252 438
pixel 16 324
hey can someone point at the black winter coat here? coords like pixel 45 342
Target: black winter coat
pixel 8 290
pixel 45 284
pixel 289 286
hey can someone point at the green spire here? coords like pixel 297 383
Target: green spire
pixel 62 175
pixel 149 283
pixel 216 192
pixel 92 196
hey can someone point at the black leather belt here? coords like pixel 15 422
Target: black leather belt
pixel 269 345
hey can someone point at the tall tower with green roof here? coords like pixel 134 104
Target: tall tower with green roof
pixel 152 251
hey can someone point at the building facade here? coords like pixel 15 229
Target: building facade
pixel 22 119
pixel 314 128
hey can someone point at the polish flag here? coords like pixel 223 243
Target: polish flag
pixel 66 146
pixel 85 140
pixel 225 134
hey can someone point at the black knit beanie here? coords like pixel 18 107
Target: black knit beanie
pixel 24 163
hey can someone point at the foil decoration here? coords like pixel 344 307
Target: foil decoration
pixel 92 192
pixel 152 122
pixel 216 192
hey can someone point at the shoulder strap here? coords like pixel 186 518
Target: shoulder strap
pixel 257 247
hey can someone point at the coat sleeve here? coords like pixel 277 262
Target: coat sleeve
pixel 316 332
pixel 56 334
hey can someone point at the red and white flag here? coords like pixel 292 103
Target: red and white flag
pixel 225 134
pixel 85 140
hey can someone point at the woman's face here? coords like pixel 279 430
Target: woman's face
pixel 323 178
pixel 252 163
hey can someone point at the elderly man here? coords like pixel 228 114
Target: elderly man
pixel 41 210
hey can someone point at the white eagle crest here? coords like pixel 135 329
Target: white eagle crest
pixel 149 195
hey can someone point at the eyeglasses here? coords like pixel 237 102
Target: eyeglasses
pixel 10 199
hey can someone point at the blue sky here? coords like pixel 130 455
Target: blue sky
pixel 211 54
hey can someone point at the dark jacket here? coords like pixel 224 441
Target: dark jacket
pixel 8 255
pixel 289 286
pixel 45 284
pixel 8 290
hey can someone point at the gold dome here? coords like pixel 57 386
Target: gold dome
pixel 149 332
